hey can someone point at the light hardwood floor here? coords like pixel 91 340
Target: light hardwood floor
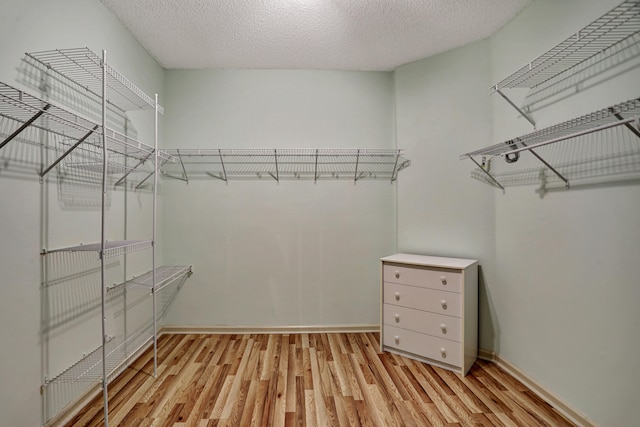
pixel 308 380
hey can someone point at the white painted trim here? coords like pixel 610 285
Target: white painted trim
pixel 169 329
pixel 488 355
pixel 558 404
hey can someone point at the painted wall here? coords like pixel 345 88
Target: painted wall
pixel 567 263
pixel 443 111
pixel 269 254
pixel 47 328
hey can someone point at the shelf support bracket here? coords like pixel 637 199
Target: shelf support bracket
pixel 212 175
pixel 275 156
pixel 394 173
pixel 24 126
pixel 315 172
pixel 518 109
pixel 144 180
pixel 224 171
pixel 184 171
pixel 355 174
pixel 132 169
pixel 628 125
pixel 66 153
pixel 566 181
pixel 495 181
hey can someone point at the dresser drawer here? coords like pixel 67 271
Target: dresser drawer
pixel 426 277
pixel 439 349
pixel 424 322
pixel 447 303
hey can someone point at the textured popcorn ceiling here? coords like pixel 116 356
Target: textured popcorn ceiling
pixel 307 34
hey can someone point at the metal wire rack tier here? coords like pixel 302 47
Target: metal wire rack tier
pixel 605 32
pixel 84 67
pixel 70 133
pixel 120 352
pixel 112 248
pixel 522 155
pixel 164 276
pixel 277 164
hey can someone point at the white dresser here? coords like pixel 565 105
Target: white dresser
pixel 430 309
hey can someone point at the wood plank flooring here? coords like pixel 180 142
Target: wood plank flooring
pixel 308 380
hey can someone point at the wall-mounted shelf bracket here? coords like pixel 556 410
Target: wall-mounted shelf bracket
pixel 25 125
pixel 551 168
pixel 491 177
pixel 66 153
pixel 220 177
pixel 121 180
pixel 518 109
pixel 275 158
pixel 184 171
pixel 144 180
pixel 633 126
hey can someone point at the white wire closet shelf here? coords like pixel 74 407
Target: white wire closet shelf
pixel 119 352
pixel 70 132
pixel 112 247
pixel 612 28
pixel 277 164
pixel 84 67
pixel 584 162
pixel 164 276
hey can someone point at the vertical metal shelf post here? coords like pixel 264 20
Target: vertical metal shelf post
pixel 103 240
pixel 153 240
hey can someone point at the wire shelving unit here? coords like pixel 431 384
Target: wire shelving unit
pixel 163 276
pixel 111 248
pixel 70 141
pixel 84 67
pixel 615 26
pixel 74 139
pixel 120 352
pixel 535 157
pixel 626 115
pixel 278 164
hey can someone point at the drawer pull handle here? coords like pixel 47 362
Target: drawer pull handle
pixel 397 339
pixel 397 318
pixel 397 295
pixel 443 303
pixel 443 352
pixel 443 280
pixel 443 328
pixel 397 274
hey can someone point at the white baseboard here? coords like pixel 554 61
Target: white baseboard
pixel 558 404
pixel 174 329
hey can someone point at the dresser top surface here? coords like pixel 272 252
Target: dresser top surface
pixel 429 261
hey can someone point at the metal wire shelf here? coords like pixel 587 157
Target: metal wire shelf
pixel 119 353
pixel 164 276
pixel 624 114
pixel 112 248
pixel 71 132
pixel 312 164
pixel 610 29
pixel 84 67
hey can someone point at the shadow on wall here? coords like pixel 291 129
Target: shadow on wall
pixel 59 130
pixel 607 65
pixel 488 328
pixel 608 156
pixel 71 299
